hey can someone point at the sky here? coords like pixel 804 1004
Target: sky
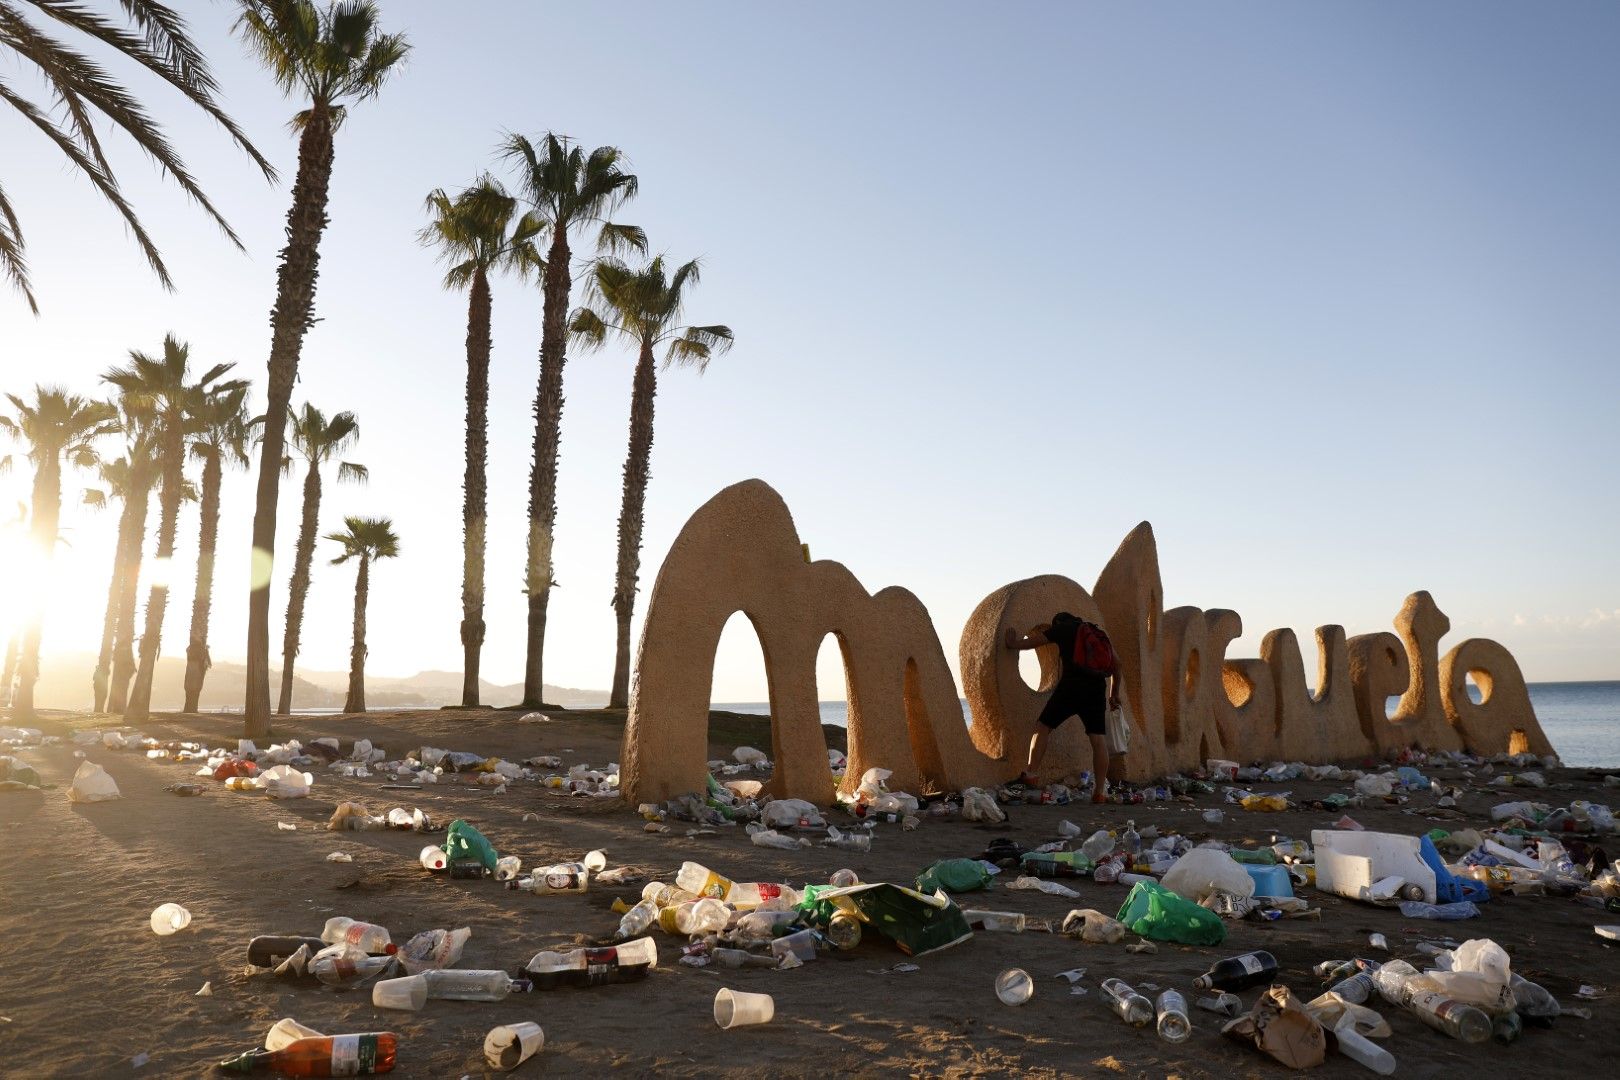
pixel 1325 292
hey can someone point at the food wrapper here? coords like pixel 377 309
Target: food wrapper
pixel 1279 1027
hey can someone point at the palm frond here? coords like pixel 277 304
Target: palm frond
pixel 12 247
pixel 587 328
pixel 697 345
pixel 353 472
pixel 612 239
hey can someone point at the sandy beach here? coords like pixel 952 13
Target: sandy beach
pixel 88 986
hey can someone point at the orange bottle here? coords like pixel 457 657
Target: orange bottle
pixel 333 1055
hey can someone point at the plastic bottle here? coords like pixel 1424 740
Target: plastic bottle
pixel 462 841
pixel 1462 1022
pixel 701 917
pixel 848 841
pixel 368 937
pixel 1097 845
pixel 554 879
pixel 461 984
pixel 1130 841
pixel 700 880
pixel 844 931
pixel 268 950
pixel 843 879
pixel 507 867
pixel 593 967
pixel 1174 1026
pixel 332 1055
pixel 1356 989
pixel 1132 1007
pixel 1055 864
pixel 433 858
pixel 1363 1051
pixel 1239 972
pixel 348 965
pixel 746 896
pixel 666 895
pixel 637 920
pixel 1106 873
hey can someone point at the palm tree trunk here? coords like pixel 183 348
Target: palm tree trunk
pixel 44 515
pixel 298 587
pixel 475 498
pixel 632 515
pixel 157 598
pixel 109 623
pixel 356 701
pixel 197 659
pixel 290 320
pixel 123 659
pixel 548 405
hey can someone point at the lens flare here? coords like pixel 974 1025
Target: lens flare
pixel 263 565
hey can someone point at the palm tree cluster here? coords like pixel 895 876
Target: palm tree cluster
pixel 328 57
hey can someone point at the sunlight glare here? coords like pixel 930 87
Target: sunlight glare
pixel 259 572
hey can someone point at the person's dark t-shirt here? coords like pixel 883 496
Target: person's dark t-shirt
pixel 1062 634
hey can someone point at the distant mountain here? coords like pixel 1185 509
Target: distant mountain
pixel 64 683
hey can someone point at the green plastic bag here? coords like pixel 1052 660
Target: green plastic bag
pixel 954 876
pixel 462 841
pixel 1263 857
pixel 1155 912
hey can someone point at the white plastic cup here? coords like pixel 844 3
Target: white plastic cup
pixel 510 1045
pixel 169 919
pixel 595 861
pixel 408 994
pixel 283 1033
pixel 433 858
pixel 1014 986
pixel 733 1008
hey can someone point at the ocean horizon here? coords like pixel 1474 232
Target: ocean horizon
pixel 1581 719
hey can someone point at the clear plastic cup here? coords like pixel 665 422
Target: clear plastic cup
pixel 433 858
pixel 733 1008
pixel 286 1031
pixel 408 994
pixel 1014 986
pixel 169 918
pixel 510 1045
pixel 595 861
pixel 801 944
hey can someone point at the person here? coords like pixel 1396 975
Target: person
pixel 1080 691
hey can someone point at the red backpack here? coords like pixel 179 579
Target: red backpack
pixel 1093 652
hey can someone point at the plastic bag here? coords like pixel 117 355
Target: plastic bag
pixel 747 755
pixel 871 785
pixel 787 813
pixel 1378 784
pixel 954 875
pixel 92 784
pixel 1155 912
pixel 432 949
pixel 284 782
pixel 979 805
pixel 1204 871
pixel 770 838
pixel 1091 925
pixel 1477 972
pixel 1331 1010
pixel 1050 888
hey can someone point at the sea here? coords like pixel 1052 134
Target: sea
pixel 1581 719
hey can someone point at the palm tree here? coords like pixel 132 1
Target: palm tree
pixel 567 188
pixel 364 539
pixel 643 308
pixel 223 432
pixel 82 93
pixel 128 481
pixel 331 56
pixel 58 427
pixel 161 382
pixel 476 235
pixel 318 440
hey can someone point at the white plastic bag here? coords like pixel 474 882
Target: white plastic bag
pixel 1050 888
pixel 772 839
pixel 1091 925
pixel 284 782
pixel 1204 871
pixel 747 755
pixel 432 949
pixel 1378 784
pixel 92 784
pixel 786 813
pixel 979 805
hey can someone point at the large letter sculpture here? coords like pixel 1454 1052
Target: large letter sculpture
pixel 1184 699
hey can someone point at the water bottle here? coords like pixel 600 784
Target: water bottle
pixel 738 958
pixel 1132 1007
pixel 1173 1023
pixel 346 965
pixel 666 895
pixel 1097 845
pixel 461 984
pixel 593 967
pixel 637 920
pixel 848 841
pixel 1239 972
pixel 1106 872
pixel 367 937
pixel 699 880
pixel 554 879
pixel 701 917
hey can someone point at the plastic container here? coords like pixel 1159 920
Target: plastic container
pixel 510 1045
pixel 1270 880
pixel 1014 986
pixel 733 1008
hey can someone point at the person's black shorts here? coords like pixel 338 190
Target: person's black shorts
pixel 1082 696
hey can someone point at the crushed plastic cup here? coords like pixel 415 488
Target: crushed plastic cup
pixel 510 1045
pixel 1014 986
pixel 734 1008
pixel 169 919
pixel 408 994
pixel 286 1031
pixel 433 858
